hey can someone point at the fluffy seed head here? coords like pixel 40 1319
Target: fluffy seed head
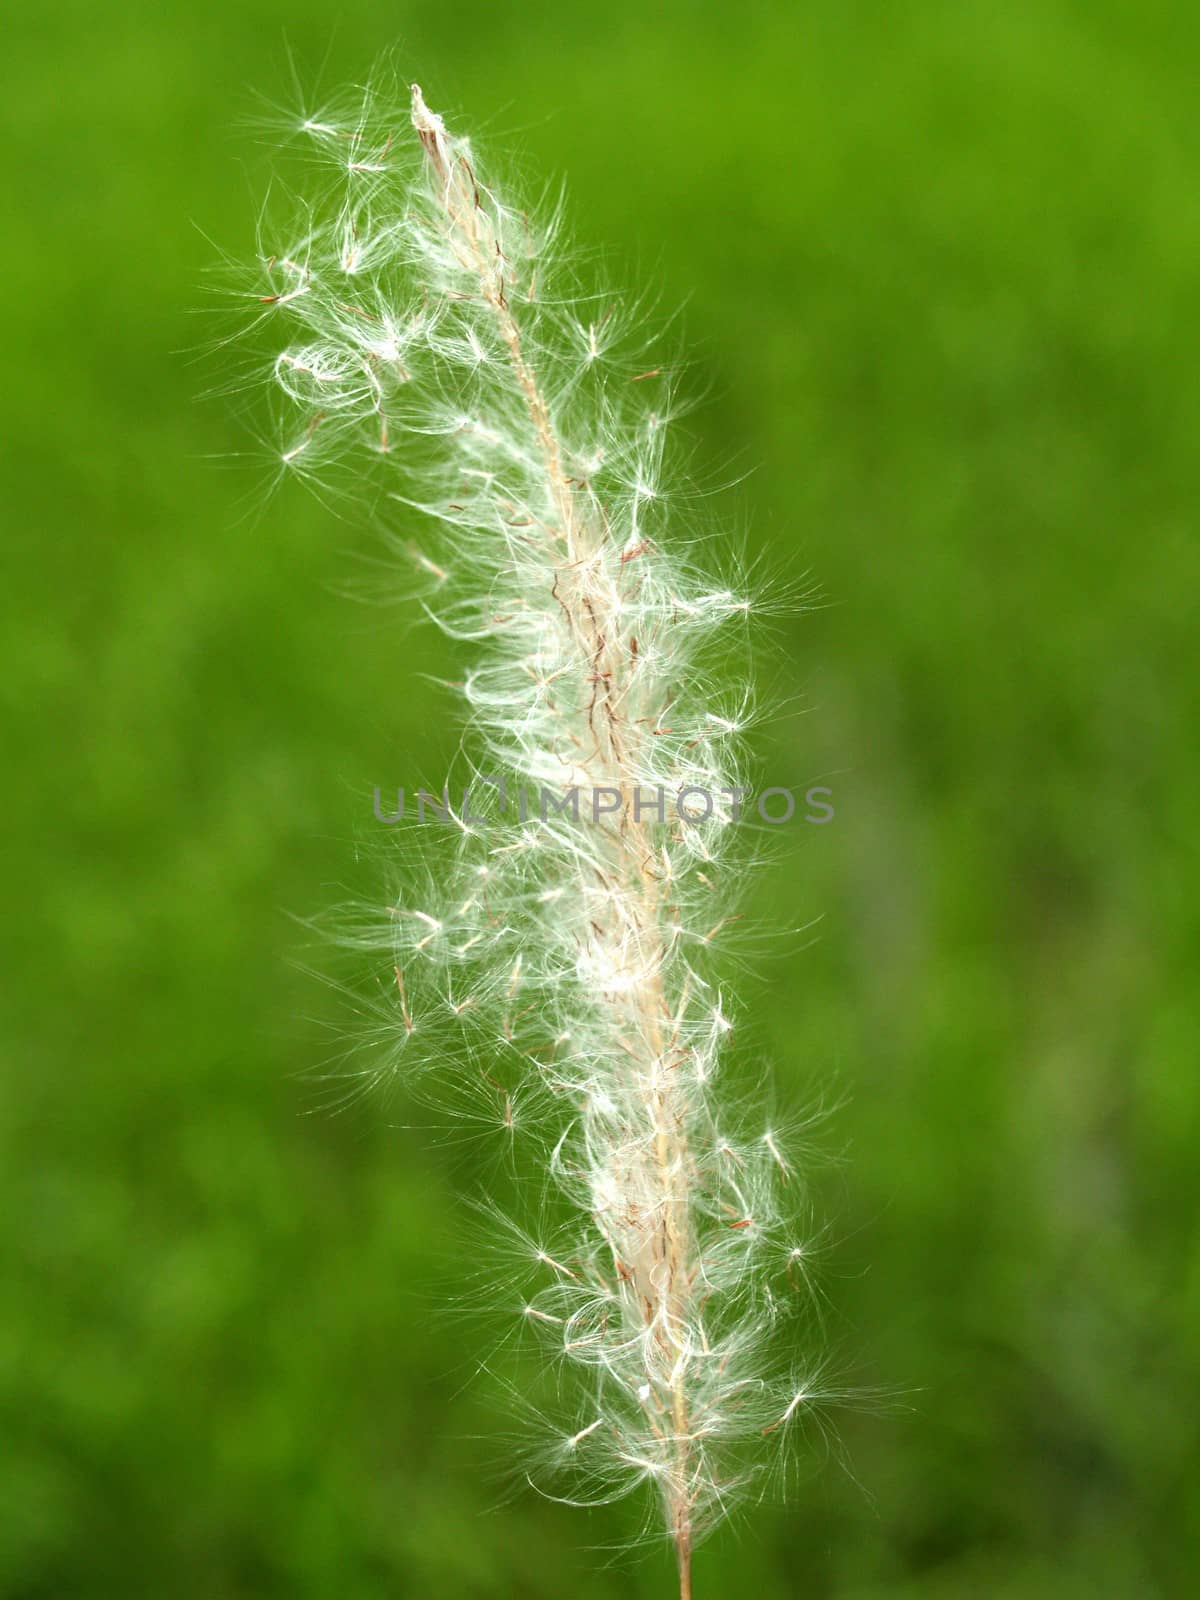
pixel 428 344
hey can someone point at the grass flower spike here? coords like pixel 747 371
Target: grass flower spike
pixel 436 351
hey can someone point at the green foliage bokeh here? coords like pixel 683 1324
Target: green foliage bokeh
pixel 941 263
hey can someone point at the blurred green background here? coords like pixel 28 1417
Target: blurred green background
pixel 942 262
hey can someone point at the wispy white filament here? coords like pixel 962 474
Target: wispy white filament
pixel 578 956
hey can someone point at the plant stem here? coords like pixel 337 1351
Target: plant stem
pixel 660 1273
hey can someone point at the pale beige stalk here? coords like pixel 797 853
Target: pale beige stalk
pixel 648 1226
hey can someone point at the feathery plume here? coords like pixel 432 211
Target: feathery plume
pixel 576 949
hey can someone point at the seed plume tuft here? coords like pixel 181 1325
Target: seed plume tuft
pixel 434 347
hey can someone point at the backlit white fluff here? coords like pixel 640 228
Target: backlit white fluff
pixel 577 955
